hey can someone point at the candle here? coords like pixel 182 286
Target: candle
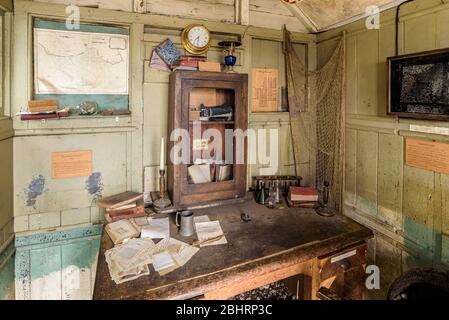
pixel 162 162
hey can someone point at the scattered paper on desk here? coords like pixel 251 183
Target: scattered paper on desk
pixel 130 260
pixel 156 229
pixel 162 261
pixel 203 218
pixel 180 251
pixel 210 230
pixel 141 221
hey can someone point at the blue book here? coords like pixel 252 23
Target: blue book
pixel 168 52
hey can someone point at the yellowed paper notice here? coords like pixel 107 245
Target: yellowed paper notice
pixel 265 90
pixel 71 164
pixel 427 155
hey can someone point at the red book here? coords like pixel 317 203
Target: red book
pixel 193 58
pixel 303 194
pixel 189 64
pixel 44 116
pixel 126 213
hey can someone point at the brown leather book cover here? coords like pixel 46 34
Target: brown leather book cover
pixel 119 200
pixel 131 214
pixel 127 212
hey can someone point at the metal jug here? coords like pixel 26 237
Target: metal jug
pixel 186 228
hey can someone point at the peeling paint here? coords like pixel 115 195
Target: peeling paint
pixel 35 189
pixel 94 185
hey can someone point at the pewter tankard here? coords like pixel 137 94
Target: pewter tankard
pixel 186 228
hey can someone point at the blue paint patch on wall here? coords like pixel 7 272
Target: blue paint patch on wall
pixel 35 189
pixel 94 185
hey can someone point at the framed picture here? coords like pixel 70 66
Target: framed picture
pixel 418 85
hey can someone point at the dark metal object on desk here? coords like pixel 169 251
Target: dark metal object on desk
pixel 324 210
pixel 163 200
pixel 245 217
pixel 262 194
pixel 285 181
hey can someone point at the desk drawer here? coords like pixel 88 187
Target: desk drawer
pixel 343 272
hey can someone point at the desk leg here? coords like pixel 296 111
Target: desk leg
pixel 311 281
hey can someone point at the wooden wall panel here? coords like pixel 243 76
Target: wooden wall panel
pixel 390 177
pixel 36 192
pixel 351 73
pixel 366 187
pixel 442 25
pixel 367 72
pixel 351 166
pixel 418 205
pixel 273 14
pixel 412 204
pixel 6 193
pixel 215 10
pixel 419 34
pixel 444 185
pixel 386 49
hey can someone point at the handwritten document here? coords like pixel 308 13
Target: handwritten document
pixel 427 155
pixel 71 164
pixel 265 90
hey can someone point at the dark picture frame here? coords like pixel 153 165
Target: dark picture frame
pixel 418 85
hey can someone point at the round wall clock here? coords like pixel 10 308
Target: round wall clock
pixel 196 39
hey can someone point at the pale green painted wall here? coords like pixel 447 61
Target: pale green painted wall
pixel 409 207
pixel 126 149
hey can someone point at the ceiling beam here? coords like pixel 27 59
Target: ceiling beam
pixel 299 14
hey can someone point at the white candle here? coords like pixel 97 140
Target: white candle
pixel 162 162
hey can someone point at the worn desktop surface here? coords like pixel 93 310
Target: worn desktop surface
pixel 274 239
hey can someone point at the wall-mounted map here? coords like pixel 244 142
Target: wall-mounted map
pixel 419 85
pixel 91 63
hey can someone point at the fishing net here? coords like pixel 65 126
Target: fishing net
pixel 317 108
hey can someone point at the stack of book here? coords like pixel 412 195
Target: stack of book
pixel 188 62
pixel 123 206
pixel 302 197
pixel 43 109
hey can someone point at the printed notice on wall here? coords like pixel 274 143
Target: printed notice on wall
pixel 71 164
pixel 265 90
pixel 427 155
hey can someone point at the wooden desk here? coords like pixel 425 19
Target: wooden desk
pixel 275 245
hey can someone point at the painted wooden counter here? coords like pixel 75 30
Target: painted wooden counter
pixel 275 245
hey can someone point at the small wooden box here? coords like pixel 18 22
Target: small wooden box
pixel 209 66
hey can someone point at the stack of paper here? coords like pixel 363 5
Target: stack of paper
pixel 130 260
pixel 156 229
pixel 121 230
pixel 207 231
pixel 172 254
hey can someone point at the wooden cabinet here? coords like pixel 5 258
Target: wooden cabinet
pixel 209 167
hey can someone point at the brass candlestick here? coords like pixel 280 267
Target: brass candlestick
pixel 163 200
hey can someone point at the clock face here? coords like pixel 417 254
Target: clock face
pixel 198 36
